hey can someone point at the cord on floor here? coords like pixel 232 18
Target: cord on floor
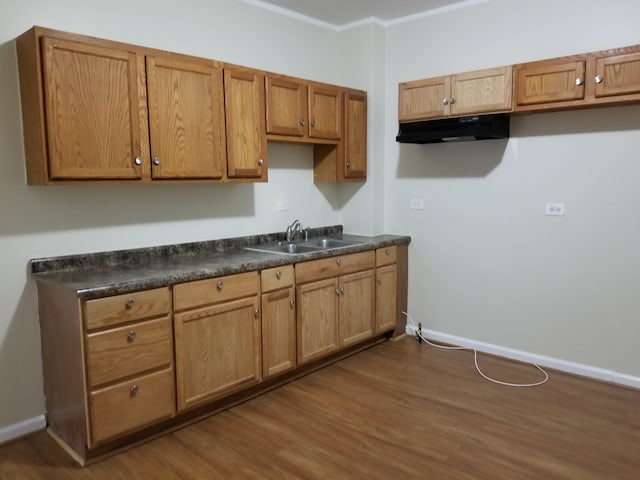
pixel 421 338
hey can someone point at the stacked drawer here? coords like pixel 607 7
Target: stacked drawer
pixel 129 359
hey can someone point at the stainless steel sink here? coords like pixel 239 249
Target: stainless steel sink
pixel 303 246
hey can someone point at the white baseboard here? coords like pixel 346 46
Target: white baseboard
pixel 542 360
pixel 20 429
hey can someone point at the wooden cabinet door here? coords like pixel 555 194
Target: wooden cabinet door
pixel 217 350
pixel 317 319
pixel 549 82
pixel 186 118
pixel 386 298
pixel 481 91
pixel 618 75
pixel 286 106
pixel 422 99
pixel 356 307
pixel 355 135
pixel 245 118
pixel 325 112
pixel 95 111
pixel 278 332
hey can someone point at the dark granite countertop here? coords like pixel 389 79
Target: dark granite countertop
pixel 110 273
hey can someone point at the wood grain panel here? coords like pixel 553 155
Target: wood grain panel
pixel 186 117
pixel 325 111
pixel 245 119
pixel 277 278
pixel 355 135
pixel 109 311
pixel 547 82
pixel 386 298
pixel 356 307
pixel 91 95
pixel 334 266
pixel 217 350
pixel 421 99
pixel 386 255
pixel 482 91
pixel 620 75
pixel 125 351
pixel 130 405
pixel 215 290
pixel 286 106
pixel 317 319
pixel 278 332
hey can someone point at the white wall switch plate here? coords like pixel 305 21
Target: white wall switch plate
pixel 416 204
pixel 554 209
pixel 282 205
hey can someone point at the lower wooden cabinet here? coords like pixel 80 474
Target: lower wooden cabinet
pixel 386 289
pixel 334 303
pixel 217 345
pixel 278 321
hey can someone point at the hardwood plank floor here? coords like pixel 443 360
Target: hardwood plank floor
pixel 397 410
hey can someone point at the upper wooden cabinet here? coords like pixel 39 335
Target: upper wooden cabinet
pixel 483 91
pixel 245 118
pixel 100 110
pixel 346 161
pixel 301 109
pixel 186 118
pixel 598 78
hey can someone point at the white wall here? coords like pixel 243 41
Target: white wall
pixel 485 263
pixel 48 221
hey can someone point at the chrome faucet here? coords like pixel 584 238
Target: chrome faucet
pixel 295 227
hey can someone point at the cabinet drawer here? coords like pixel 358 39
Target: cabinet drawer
pixel 215 290
pixel 334 266
pixel 131 405
pixel 128 350
pixel 276 278
pixel 386 255
pixel 104 312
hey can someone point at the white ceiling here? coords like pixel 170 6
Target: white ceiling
pixel 338 13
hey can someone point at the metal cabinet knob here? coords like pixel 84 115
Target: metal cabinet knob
pixel 579 81
pixel 133 391
pixel 453 100
pixel 337 291
pixel 387 252
pixel 341 290
pixel 339 261
pixel 598 79
pixel 260 162
pixel 156 161
pixel 445 101
pixel 131 336
pixel 257 313
pixel 313 123
pixel 302 122
pixel 138 161
pixel 220 285
pixel 379 280
pixel 348 164
pixel 130 303
pixel 292 303
pixel 278 274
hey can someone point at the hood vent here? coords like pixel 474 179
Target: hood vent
pixel 476 127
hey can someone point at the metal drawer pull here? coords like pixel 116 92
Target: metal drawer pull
pixel 220 285
pixel 387 251
pixel 130 303
pixel 133 391
pixel 278 274
pixel 131 336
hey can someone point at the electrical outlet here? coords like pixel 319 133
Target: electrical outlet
pixel 554 209
pixel 416 204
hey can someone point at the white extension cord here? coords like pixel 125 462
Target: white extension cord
pixel 475 360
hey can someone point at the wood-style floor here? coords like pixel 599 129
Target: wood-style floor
pixel 399 410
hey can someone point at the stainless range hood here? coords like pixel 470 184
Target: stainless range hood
pixel 476 127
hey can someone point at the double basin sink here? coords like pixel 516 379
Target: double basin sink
pixel 299 247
